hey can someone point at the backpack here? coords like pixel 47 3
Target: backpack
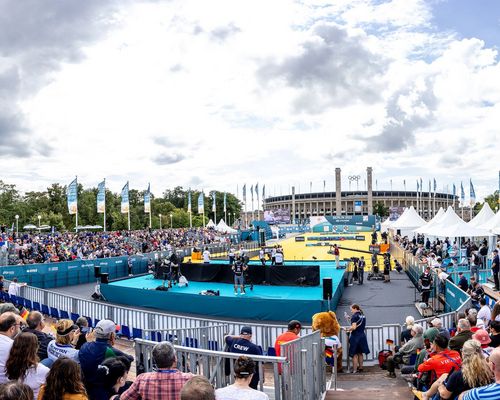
pixel 383 355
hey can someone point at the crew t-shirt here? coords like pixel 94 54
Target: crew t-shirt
pixel 234 393
pixel 244 346
pixel 55 351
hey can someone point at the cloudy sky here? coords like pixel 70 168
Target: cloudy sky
pixel 215 94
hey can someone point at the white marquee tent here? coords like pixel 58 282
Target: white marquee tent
pixel 451 225
pixel 493 224
pixel 222 227
pixel 482 216
pixel 211 224
pixel 408 221
pixel 431 223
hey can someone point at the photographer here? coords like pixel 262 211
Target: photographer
pixel 239 269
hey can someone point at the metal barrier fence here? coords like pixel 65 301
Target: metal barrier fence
pixel 306 377
pixel 212 364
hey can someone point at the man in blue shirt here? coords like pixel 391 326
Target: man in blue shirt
pixel 489 392
pixel 495 268
pixel 242 345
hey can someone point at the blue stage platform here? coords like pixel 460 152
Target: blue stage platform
pixel 269 303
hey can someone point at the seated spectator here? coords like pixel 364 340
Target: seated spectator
pixel 438 323
pixel 475 372
pixel 36 324
pixel 15 391
pixel 93 354
pixel 495 312
pixel 23 363
pixel 491 391
pixel 441 362
pixel 484 312
pixel 9 328
pixel 495 333
pixel 113 376
pixel 8 307
pixel 63 346
pixel 405 352
pixel 463 334
pixel 165 383
pixel 63 382
pixel 198 388
pixel 406 333
pixel 476 292
pixel 429 336
pixel 472 317
pixel 482 337
pixel 83 325
pixel 244 368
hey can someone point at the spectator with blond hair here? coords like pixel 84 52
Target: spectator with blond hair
pixel 491 391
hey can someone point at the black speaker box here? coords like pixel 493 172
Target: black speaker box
pixel 104 277
pixel 97 272
pixel 327 288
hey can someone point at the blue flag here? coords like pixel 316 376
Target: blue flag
pixel 435 185
pixel 101 197
pixel 125 207
pixel 72 197
pixel 245 192
pixel 263 192
pixel 421 186
pixel 147 200
pixel 251 191
pixel 462 194
pixel 454 192
pixel 418 187
pixel 201 203
pixel 472 194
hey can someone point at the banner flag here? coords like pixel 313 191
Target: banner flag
pixel 251 191
pixel 472 194
pixel 125 207
pixel 189 200
pixel 214 195
pixel 429 186
pixel 147 200
pixel 462 194
pixel 435 185
pixel 324 186
pixel 257 191
pixel 421 186
pixel 263 192
pixel 201 203
pixel 454 191
pixel 225 200
pixel 72 197
pixel 244 193
pixel 101 197
pixel 404 183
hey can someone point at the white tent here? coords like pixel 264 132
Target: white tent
pixel 386 224
pixel 483 216
pixel 408 221
pixel 222 227
pixel 432 222
pixel 210 224
pixel 493 224
pixel 451 225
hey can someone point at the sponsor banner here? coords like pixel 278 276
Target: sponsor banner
pixel 277 216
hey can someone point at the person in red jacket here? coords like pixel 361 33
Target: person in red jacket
pixel 443 361
pixel 292 333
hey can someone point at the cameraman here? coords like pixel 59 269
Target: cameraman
pixel 239 269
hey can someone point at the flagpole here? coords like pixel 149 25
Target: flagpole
pixel 76 177
pixel 128 217
pixel 104 205
pixel 190 219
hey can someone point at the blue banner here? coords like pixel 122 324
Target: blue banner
pixel 147 200
pixel 245 192
pixel 72 197
pixel 462 194
pixel 125 207
pixel 101 197
pixel 201 204
pixel 472 193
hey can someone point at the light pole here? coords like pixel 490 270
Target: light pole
pixel 160 220
pixel 229 220
pixel 171 216
pixel 39 218
pixel 17 225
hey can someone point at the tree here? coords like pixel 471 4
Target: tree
pixel 380 209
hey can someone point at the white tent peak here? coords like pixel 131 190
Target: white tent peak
pixel 451 225
pixel 210 224
pixel 482 216
pixel 432 222
pixel 409 219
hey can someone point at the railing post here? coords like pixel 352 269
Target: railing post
pixel 304 368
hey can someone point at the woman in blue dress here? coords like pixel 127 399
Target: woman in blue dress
pixel 358 344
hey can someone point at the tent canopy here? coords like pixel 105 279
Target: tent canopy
pixel 210 224
pixel 451 225
pixel 483 216
pixel 432 222
pixel 222 227
pixel 493 224
pixel 409 219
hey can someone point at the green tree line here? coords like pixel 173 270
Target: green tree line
pixel 51 206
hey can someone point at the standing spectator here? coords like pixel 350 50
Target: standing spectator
pixel 484 312
pixel 387 269
pixel 244 369
pixel 9 329
pixel 23 363
pixel 262 256
pixel 36 324
pixel 242 344
pixel 462 282
pixel 463 334
pixel 14 287
pixel 294 328
pixel 239 269
pixel 336 253
pixel 358 344
pixel 63 382
pixel 491 391
pixel 198 388
pixel 206 256
pixel 361 270
pixel 278 257
pixel 15 391
pixel 165 383
pixel 425 281
pixel 63 346
pixel 495 268
pixel 92 354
